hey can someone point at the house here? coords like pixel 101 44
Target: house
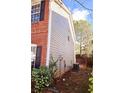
pixel 52 34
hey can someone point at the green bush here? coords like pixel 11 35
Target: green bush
pixel 40 78
pixel 91 84
pixel 43 77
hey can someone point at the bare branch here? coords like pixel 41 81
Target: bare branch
pixel 83 5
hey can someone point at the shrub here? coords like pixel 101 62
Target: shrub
pixel 91 84
pixel 43 77
pixel 40 78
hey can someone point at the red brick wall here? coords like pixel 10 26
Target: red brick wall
pixel 39 33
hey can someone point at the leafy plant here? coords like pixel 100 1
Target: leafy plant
pixel 43 77
pixel 91 84
pixel 40 78
pixel 53 67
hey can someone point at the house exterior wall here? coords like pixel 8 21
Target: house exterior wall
pixel 62 38
pixel 39 32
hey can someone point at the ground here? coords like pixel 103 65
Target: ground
pixel 73 82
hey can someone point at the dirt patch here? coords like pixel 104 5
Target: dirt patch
pixel 73 82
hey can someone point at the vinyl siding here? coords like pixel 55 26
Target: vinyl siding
pixel 59 43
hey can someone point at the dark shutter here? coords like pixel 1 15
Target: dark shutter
pixel 38 57
pixel 42 10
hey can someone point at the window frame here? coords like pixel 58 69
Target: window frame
pixel 38 12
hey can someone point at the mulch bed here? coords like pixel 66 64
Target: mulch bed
pixel 72 82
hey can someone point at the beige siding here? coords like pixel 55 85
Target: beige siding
pixel 61 41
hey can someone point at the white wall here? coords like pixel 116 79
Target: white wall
pixel 60 31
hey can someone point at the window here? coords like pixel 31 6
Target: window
pixel 37 12
pixel 33 54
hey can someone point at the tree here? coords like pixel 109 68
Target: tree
pixel 83 37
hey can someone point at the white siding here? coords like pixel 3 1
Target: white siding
pixel 60 31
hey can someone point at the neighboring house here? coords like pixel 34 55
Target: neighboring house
pixel 52 34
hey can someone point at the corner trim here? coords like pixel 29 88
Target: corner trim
pixel 49 35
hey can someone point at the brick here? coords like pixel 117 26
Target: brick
pixel 39 33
